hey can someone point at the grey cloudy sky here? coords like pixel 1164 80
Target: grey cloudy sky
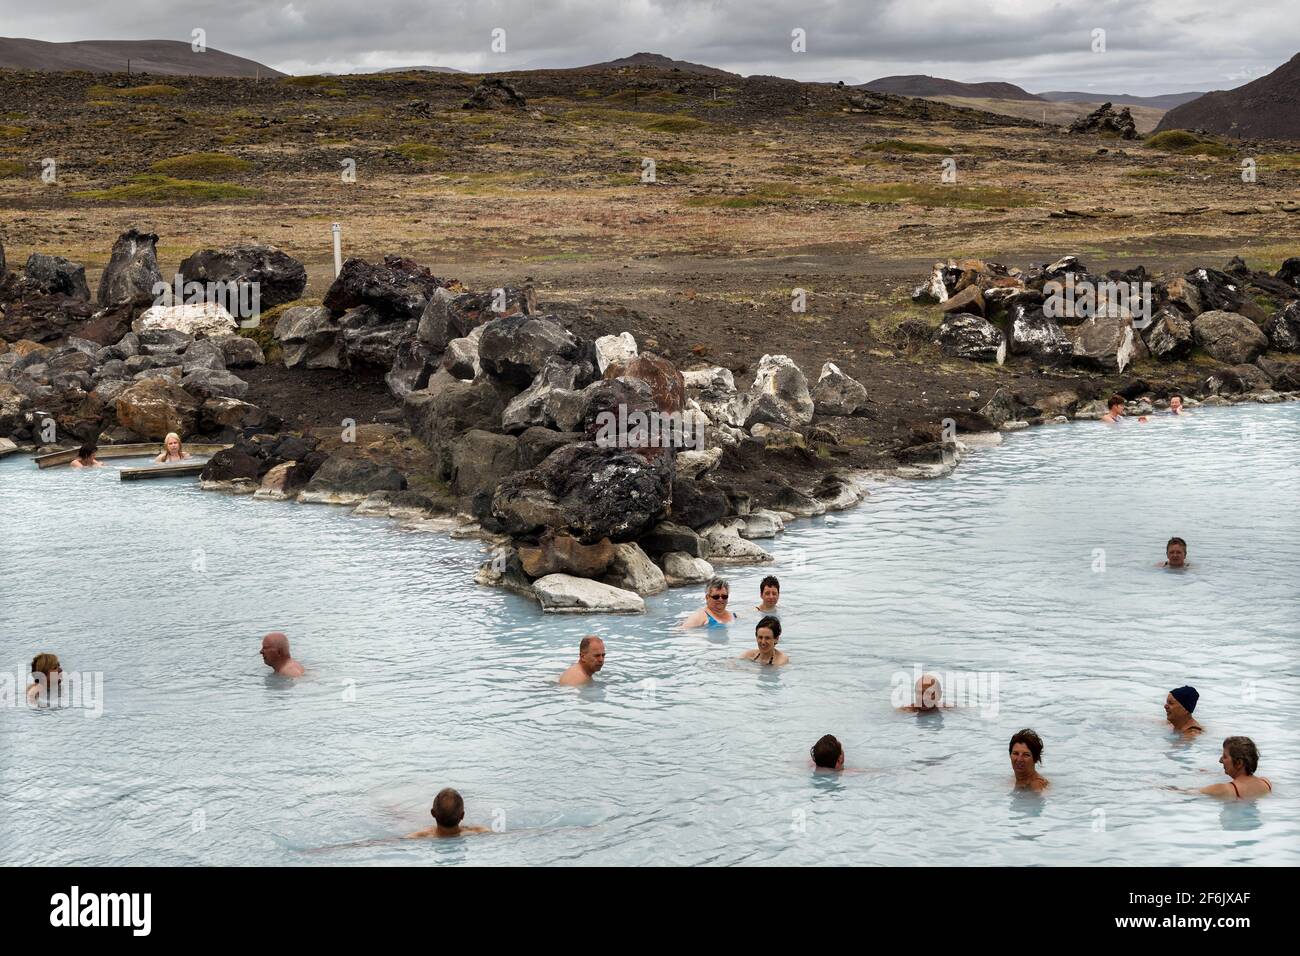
pixel 1152 46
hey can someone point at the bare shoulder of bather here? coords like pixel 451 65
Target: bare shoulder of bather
pixel 160 457
pixel 694 619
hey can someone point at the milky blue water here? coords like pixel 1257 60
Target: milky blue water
pixel 1032 566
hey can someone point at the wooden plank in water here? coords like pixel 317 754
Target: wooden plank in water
pixel 163 471
pixel 136 450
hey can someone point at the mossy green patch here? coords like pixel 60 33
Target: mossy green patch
pixel 422 152
pixel 11 168
pixel 155 187
pixel 12 132
pixel 1187 143
pixel 194 165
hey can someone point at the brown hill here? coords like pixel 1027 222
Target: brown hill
pixel 937 86
pixel 168 57
pixel 1267 108
pixel 659 62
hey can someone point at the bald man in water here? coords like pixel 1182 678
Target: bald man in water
pixel 591 658
pixel 929 696
pixel 448 810
pixel 275 652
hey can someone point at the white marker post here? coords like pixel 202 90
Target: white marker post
pixel 338 248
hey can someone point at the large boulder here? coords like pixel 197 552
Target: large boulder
pixel 726 546
pixel 1104 343
pixel 44 318
pixel 54 274
pixel 461 356
pixel 566 594
pixel 1283 329
pixel 350 481
pixel 697 503
pixel 203 318
pixel 367 338
pixel 599 493
pixel 413 364
pixel 1035 335
pixel 534 405
pixel 515 348
pixel 132 272
pixel 277 276
pixel 218 414
pixel 1169 336
pixel 309 336
pixel 565 554
pixel 779 395
pixel 614 350
pixel 837 393
pixel 970 337
pixel 1229 337
pixel 479 460
pixel 536 444
pixel 681 569
pixel 397 290
pixel 632 570
pixel 205 383
pixel 447 407
pixel 151 408
pixel 714 390
pixel 1238 380
pixel 240 352
pixel 449 316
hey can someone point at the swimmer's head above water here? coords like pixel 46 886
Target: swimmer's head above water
pixel 448 809
pixel 1026 749
pixel 275 654
pixel 828 754
pixel 1176 553
pixel 929 693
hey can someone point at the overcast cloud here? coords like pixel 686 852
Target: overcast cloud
pixel 1152 46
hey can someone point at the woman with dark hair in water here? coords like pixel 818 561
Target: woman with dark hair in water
pixel 86 456
pixel 1239 760
pixel 1026 751
pixel 767 632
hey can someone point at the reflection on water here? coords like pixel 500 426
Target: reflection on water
pixel 1035 563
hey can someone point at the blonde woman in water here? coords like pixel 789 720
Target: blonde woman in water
pixel 172 450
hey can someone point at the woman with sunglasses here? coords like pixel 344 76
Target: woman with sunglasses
pixel 714 613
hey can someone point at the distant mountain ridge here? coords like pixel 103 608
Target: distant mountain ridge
pixel 420 69
pixel 165 57
pixel 659 62
pixel 917 85
pixel 1268 108
pixel 1165 101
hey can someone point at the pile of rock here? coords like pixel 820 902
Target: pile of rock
pixel 1106 121
pixel 133 366
pixel 992 312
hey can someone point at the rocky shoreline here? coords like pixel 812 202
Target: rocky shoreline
pixel 596 470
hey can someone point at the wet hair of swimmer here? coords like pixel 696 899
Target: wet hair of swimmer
pixel 87 450
pixel 773 624
pixel 448 808
pixel 1115 400
pixel 1173 541
pixel 826 752
pixel 1242 750
pixel 768 582
pixel 45 663
pixel 1030 740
